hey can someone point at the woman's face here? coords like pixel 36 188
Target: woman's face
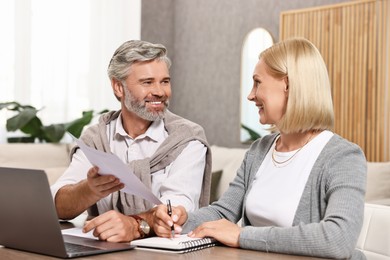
pixel 269 94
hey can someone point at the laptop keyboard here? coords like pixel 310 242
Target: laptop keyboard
pixel 75 248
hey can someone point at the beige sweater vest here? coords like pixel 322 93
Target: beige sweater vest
pixel 180 133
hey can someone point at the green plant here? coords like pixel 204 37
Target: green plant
pixel 252 134
pixel 27 121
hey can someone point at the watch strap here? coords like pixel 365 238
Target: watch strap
pixel 139 219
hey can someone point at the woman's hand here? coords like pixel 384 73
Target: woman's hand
pixel 162 222
pixel 222 230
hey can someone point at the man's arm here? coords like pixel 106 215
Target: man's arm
pixel 113 226
pixel 73 199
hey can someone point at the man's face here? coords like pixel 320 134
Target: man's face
pixel 147 89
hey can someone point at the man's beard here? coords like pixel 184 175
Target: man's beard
pixel 140 109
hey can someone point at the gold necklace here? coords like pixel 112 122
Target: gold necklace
pixel 280 164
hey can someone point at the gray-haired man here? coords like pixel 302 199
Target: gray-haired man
pixel 168 153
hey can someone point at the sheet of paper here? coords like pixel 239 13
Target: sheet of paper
pixel 78 232
pixel 111 164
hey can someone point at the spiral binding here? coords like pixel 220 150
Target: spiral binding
pixel 198 244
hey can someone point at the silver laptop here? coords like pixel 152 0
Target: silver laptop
pixel 29 222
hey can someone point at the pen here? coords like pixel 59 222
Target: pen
pixel 169 208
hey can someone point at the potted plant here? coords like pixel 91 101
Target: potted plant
pixel 27 121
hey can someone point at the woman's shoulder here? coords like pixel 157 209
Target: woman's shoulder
pixel 338 144
pixel 341 151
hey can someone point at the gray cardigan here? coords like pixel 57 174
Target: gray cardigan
pixel 330 213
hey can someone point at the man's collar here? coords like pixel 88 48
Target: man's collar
pixel 155 131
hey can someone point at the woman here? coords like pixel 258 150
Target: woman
pixel 299 191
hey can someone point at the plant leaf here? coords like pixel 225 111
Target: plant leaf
pixel 76 126
pixel 10 105
pixel 53 133
pixel 22 119
pixel 29 123
pixel 14 106
pixel 103 111
pixel 33 128
pixel 253 135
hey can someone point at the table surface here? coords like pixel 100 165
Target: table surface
pixel 214 253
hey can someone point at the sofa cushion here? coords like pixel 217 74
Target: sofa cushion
pixel 34 156
pixel 378 182
pixel 54 173
pixel 227 160
pixel 215 182
pixel 374 239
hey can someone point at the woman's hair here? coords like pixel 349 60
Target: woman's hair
pixel 131 52
pixel 309 105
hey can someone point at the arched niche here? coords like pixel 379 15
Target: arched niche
pixel 255 42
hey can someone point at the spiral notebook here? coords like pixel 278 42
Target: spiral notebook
pixel 179 244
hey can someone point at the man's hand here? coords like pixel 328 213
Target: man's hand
pixel 113 226
pixel 102 185
pixel 222 230
pixel 72 199
pixel 162 222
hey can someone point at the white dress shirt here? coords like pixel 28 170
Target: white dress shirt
pixel 181 181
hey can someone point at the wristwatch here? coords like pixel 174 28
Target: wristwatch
pixel 143 226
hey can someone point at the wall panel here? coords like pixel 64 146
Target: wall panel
pixel 353 38
pixel 204 39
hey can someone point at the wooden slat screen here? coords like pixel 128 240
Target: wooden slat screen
pixel 354 39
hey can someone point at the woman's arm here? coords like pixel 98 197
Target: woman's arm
pixel 340 186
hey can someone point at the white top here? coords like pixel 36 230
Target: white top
pixel 181 181
pixel 276 191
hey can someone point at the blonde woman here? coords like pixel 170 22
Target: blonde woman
pixel 299 191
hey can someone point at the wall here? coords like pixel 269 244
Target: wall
pixel 204 39
pixel 353 39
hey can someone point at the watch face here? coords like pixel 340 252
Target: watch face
pixel 144 227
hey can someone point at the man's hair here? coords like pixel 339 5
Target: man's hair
pixel 134 51
pixel 309 105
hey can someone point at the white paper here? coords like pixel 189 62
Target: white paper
pixel 110 164
pixel 78 232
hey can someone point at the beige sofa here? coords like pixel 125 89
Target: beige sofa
pixel 375 236
pixel 53 158
pixel 374 239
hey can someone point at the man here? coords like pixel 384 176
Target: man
pixel 168 153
